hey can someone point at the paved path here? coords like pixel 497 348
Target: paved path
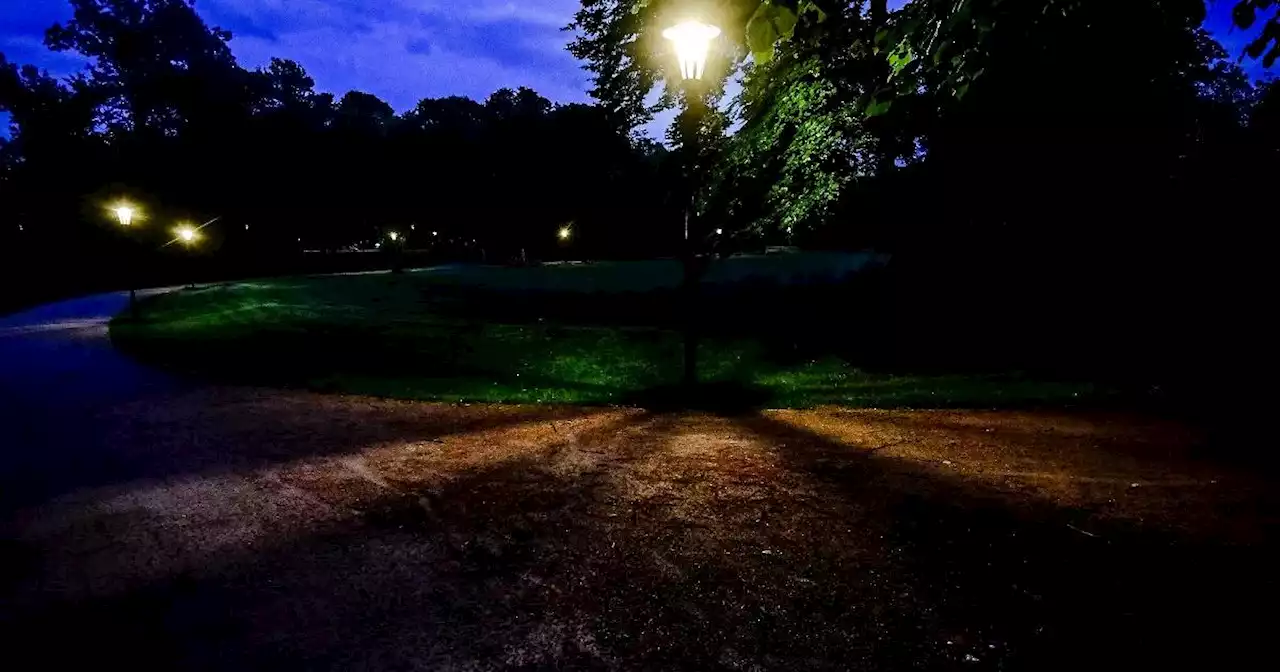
pixel 58 376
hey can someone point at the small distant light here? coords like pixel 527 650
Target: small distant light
pixel 719 231
pixel 435 233
pixel 124 214
pixel 246 227
pixel 378 245
pixel 394 236
pixel 565 232
pixel 413 227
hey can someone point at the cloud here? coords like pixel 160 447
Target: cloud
pixel 508 42
pixel 405 50
pixel 24 49
pixel 31 18
pixel 551 13
pixel 1234 39
pixel 419 45
pixel 239 24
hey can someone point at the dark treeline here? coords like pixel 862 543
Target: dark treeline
pixel 164 116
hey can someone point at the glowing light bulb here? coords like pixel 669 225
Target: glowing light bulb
pixel 692 40
pixel 124 213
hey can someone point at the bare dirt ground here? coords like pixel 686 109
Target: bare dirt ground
pixel 286 530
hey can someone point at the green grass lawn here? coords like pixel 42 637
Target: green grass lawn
pixel 482 334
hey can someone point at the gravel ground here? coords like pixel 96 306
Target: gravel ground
pixel 227 528
pixel 329 532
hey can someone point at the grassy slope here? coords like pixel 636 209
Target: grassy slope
pixel 470 334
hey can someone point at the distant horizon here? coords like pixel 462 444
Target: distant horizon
pixel 404 51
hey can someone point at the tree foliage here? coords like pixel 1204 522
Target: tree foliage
pixel 1266 45
pixel 164 110
pixel 1016 100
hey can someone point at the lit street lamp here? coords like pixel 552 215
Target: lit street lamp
pixel 692 41
pixel 565 233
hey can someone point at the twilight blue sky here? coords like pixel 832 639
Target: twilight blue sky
pixel 400 50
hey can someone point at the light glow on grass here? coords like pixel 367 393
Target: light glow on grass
pixel 424 337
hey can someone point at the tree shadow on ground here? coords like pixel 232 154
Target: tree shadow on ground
pixel 223 429
pixel 1034 584
pixel 690 541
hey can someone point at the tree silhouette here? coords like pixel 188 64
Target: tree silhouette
pixel 164 109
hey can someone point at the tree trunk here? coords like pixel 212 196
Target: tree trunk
pixel 879 14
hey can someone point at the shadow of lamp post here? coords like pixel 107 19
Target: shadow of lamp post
pixel 692 40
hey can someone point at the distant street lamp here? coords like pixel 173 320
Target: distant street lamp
pixel 124 215
pixel 565 233
pixel 692 41
pixel 397 251
pixel 187 234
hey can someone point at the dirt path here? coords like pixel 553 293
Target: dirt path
pixel 253 529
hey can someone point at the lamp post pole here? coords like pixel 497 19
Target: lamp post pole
pixel 188 235
pixel 396 245
pixel 696 109
pixel 692 41
pixel 124 215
